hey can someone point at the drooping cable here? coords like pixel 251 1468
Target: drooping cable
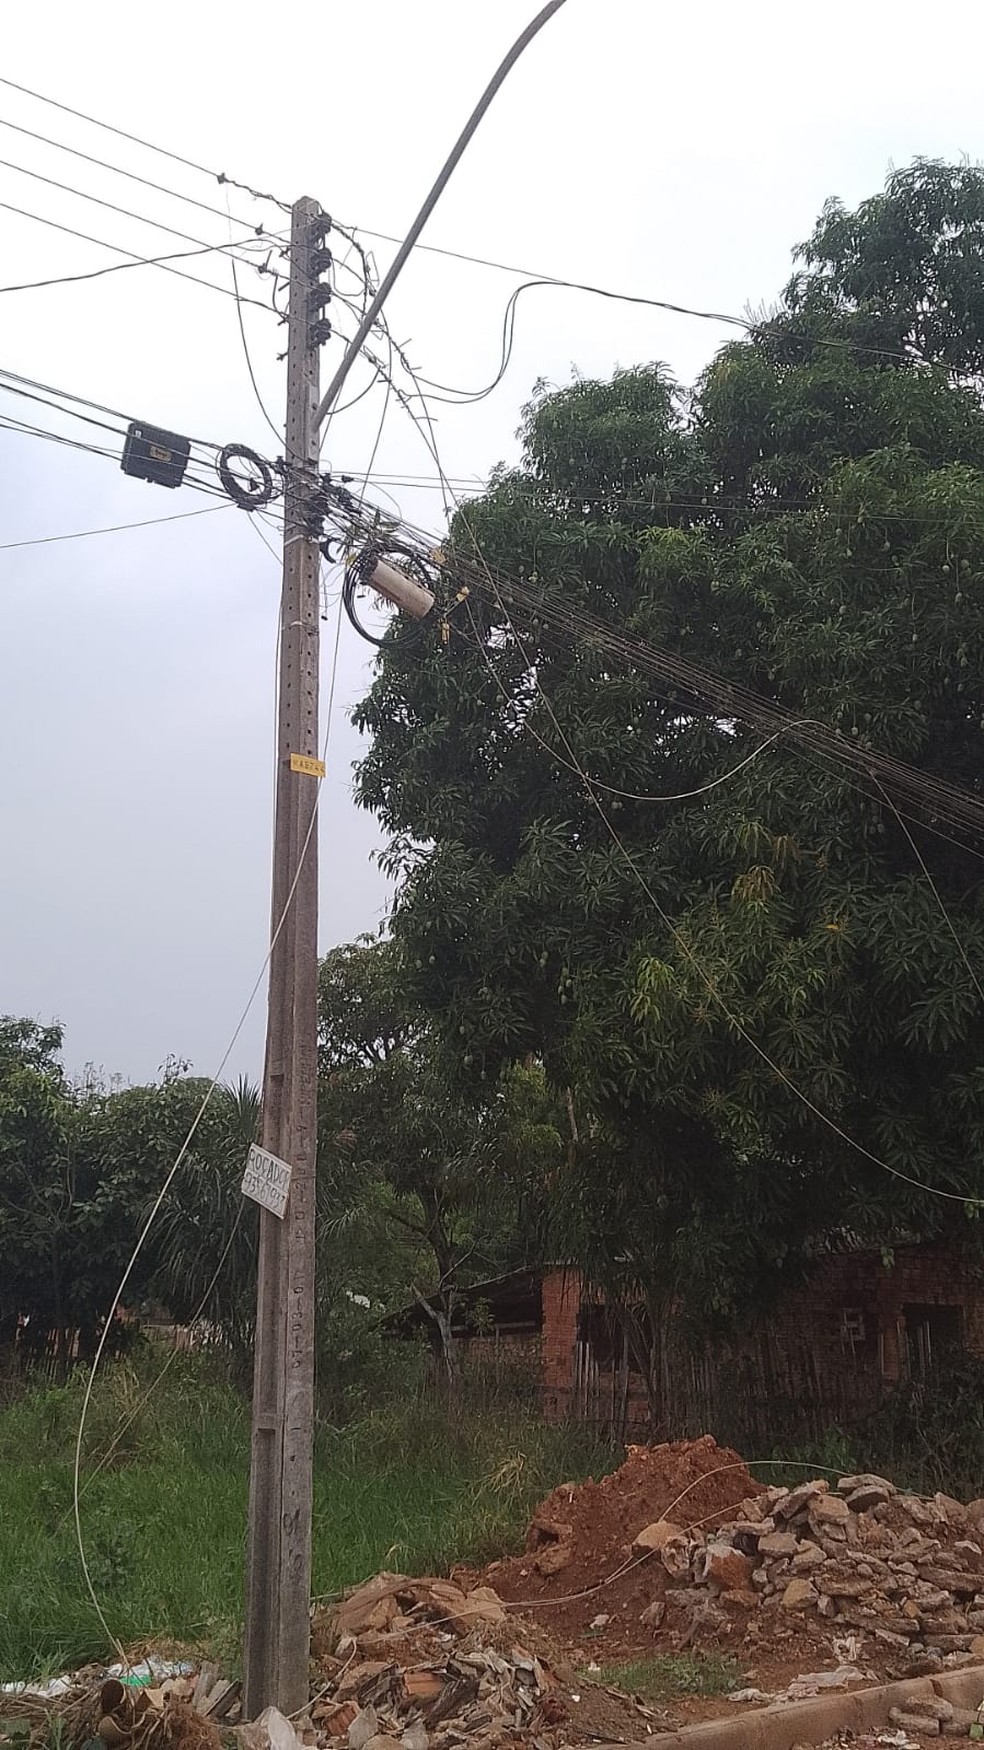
pixel 95 273
pixel 113 207
pixel 278 434
pixel 927 877
pixel 163 263
pixel 352 575
pixel 113 529
pixel 697 688
pixel 403 253
pixel 175 1168
pixel 748 324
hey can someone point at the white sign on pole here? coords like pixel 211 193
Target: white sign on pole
pixel 266 1180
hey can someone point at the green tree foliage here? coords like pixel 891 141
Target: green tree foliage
pixel 903 271
pixel 201 1250
pixel 66 1208
pixel 809 521
pixel 25 1044
pixel 420 1190
pixel 433 1188
pixel 38 1173
pixel 80 1169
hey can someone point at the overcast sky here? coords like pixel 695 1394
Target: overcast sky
pixel 677 152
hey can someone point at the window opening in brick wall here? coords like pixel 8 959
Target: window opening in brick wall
pixel 615 1335
pixel 596 1327
pixel 932 1332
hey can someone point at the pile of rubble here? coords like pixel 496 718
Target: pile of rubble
pixel 149 1706
pixel 420 1664
pixel 905 1570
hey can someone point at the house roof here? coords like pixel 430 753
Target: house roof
pixel 512 1298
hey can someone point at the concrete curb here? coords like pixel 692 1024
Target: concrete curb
pixel 783 1724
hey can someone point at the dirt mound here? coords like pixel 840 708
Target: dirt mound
pixel 677 1555
pixel 583 1533
pixel 680 1549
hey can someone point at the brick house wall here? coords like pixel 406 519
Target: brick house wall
pixel 829 1353
pixel 563 1292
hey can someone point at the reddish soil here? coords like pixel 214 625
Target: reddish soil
pixel 593 1604
pixel 583 1599
pixel 692 1483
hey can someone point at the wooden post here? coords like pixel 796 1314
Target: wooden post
pixel 278 1586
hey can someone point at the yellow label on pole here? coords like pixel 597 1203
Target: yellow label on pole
pixel 304 762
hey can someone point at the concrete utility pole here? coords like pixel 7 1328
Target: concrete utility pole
pixel 278 1585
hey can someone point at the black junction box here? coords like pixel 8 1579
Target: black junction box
pixel 152 454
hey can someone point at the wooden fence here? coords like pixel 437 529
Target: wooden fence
pixel 754 1397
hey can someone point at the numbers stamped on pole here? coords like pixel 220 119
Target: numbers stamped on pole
pixel 305 762
pixel 266 1180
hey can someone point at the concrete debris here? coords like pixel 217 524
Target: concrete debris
pixel 802 1688
pixel 798 1595
pixel 818 1682
pixel 271 1731
pixel 915 1723
pixel 722 1567
pixel 899 1571
pixel 451 1667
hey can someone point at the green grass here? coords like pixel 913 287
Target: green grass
pixel 411 1488
pixel 673 1675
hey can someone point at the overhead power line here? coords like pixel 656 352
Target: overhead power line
pixel 20 385
pixel 706 976
pixel 66 395
pixel 732 699
pixel 136 140
pixel 113 207
pixel 708 507
pixel 687 685
pixel 133 258
pixel 145 181
pixel 116 423
pixel 196 482
pixel 503 594
pixel 54 437
pixel 206 470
